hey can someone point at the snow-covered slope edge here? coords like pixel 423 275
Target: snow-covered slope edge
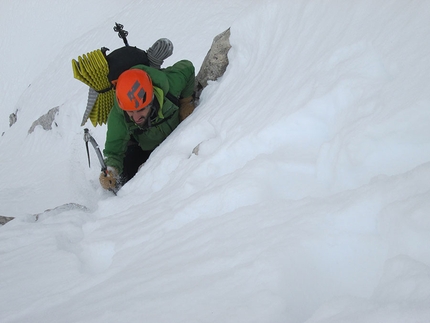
pixel 309 186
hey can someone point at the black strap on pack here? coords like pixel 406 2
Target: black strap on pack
pixel 173 99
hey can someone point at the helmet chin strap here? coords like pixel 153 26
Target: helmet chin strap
pixel 151 115
pixel 147 123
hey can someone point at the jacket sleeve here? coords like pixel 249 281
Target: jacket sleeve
pixel 181 76
pixel 117 138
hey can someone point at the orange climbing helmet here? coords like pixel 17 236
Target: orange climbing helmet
pixel 134 90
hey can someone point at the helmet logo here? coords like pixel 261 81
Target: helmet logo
pixel 136 94
pixel 134 90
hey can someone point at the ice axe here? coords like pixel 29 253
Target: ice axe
pixel 89 138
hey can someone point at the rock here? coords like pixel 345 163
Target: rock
pixel 5 219
pixel 13 117
pixel 215 62
pixel 46 120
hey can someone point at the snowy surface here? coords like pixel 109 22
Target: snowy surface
pixel 307 197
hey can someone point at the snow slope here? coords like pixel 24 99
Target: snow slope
pixel 298 191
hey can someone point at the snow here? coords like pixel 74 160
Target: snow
pixel 298 191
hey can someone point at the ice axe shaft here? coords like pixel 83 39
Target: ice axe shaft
pixel 89 138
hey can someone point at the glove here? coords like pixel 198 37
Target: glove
pixel 109 178
pixel 186 107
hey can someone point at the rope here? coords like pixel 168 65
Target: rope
pixel 158 52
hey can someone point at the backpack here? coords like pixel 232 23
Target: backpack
pixel 123 59
pixel 98 69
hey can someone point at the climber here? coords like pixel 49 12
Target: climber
pixel 149 104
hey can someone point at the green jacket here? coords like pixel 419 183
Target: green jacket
pixel 179 81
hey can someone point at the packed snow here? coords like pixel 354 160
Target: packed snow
pixel 298 191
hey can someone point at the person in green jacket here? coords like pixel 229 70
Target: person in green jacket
pixel 149 105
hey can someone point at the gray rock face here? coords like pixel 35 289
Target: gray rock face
pixel 5 219
pixel 13 117
pixel 215 62
pixel 46 120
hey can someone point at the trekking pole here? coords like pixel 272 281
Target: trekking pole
pixel 121 32
pixel 89 138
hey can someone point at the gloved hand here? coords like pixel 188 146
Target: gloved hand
pixel 108 179
pixel 186 107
